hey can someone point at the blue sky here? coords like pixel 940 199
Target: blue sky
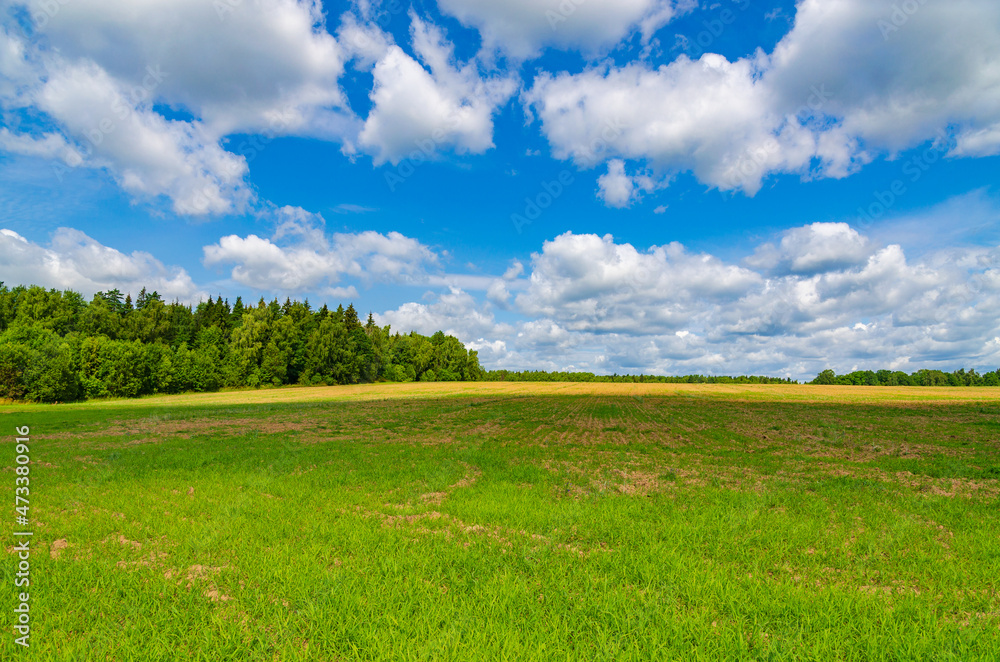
pixel 616 186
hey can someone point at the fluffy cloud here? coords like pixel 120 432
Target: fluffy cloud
pixel 95 69
pixel 851 81
pixel 895 73
pixel 709 116
pixel 236 65
pixel 362 39
pixel 72 260
pixel 821 295
pixel 102 74
pixel 619 189
pixel 301 257
pixel 591 283
pixel 884 285
pixel 615 187
pixel 522 27
pixel 455 312
pixel 426 110
pixel 838 89
pixel 813 249
pixel 49 145
pixel 148 155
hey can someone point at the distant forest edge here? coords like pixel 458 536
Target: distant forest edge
pixel 918 378
pixel 57 347
pixel 541 376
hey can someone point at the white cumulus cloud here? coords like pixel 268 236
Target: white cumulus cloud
pixel 521 28
pixel 455 312
pixel 814 248
pixel 427 106
pixel 591 283
pixel 302 257
pixel 95 69
pixel 73 260
pixel 837 91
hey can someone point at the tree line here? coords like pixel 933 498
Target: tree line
pixel 918 378
pixel 57 347
pixel 540 376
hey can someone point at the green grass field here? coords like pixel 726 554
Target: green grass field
pixel 513 522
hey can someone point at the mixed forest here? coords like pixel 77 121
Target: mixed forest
pixel 56 347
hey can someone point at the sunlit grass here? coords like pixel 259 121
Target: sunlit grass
pixel 602 522
pixel 392 391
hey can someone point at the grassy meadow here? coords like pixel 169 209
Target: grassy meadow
pixel 499 521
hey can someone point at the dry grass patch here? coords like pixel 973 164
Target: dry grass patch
pixel 154 429
pixel 462 532
pixel 57 546
pixel 487 390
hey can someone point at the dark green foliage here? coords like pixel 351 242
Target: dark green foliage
pixel 114 368
pixel 918 378
pixel 56 347
pixel 827 377
pixel 36 364
pixel 13 361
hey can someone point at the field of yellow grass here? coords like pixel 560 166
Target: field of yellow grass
pixel 389 391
